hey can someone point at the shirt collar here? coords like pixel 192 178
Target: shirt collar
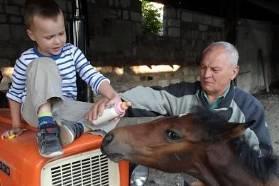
pixel 216 103
pixel 54 57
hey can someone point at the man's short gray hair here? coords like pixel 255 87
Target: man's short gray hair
pixel 229 48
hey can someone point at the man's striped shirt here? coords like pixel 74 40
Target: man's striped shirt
pixel 70 61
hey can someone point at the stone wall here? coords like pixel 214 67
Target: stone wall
pixel 129 79
pixel 275 55
pixel 115 39
pixel 13 38
pixel 115 33
pixel 254 42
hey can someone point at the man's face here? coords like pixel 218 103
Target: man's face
pixel 216 71
pixel 48 33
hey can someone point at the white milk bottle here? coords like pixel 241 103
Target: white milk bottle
pixel 112 112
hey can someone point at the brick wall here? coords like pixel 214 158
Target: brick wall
pixel 13 38
pixel 115 33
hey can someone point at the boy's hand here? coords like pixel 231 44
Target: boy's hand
pixel 99 107
pixel 12 133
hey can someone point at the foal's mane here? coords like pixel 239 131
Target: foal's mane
pixel 261 164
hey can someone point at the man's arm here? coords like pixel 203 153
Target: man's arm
pixel 254 111
pixel 174 99
pixel 261 129
pixel 146 101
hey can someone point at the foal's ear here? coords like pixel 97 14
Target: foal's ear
pixel 249 123
pixel 234 130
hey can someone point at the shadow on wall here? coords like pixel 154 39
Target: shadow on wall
pixel 274 87
pixel 3 99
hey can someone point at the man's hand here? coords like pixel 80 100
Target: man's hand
pixel 12 133
pixel 99 107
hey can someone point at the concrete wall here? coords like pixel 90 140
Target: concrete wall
pixel 116 35
pixel 116 39
pixel 275 54
pixel 13 38
pixel 254 42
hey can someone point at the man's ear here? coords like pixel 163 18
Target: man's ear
pixel 30 34
pixel 235 72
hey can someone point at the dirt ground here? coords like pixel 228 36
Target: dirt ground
pixel 271 106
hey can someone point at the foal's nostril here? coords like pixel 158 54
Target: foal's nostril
pixel 108 138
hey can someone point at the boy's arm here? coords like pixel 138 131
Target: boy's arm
pixel 110 96
pixel 16 129
pixel 106 90
pixel 15 113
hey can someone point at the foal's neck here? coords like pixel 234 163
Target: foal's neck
pixel 222 168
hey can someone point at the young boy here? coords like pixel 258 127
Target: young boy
pixel 44 87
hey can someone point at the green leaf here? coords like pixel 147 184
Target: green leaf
pixel 151 18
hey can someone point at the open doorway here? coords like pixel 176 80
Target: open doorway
pixel 153 14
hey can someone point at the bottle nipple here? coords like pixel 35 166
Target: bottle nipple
pixel 125 105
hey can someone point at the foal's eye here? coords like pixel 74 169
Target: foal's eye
pixel 172 135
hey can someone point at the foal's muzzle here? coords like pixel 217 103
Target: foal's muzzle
pixel 107 139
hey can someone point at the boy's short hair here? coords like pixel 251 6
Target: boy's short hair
pixel 43 8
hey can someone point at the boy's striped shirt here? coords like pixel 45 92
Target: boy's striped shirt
pixel 70 61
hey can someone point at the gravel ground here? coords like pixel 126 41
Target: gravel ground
pixel 271 106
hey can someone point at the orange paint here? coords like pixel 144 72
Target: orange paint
pixel 22 157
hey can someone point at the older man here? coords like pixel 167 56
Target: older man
pixel 215 90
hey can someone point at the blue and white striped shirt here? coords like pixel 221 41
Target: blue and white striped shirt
pixel 69 61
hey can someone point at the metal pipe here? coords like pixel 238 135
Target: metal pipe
pixel 79 37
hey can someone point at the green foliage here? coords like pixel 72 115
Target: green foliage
pixel 151 18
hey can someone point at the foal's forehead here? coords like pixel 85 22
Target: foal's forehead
pixel 184 121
